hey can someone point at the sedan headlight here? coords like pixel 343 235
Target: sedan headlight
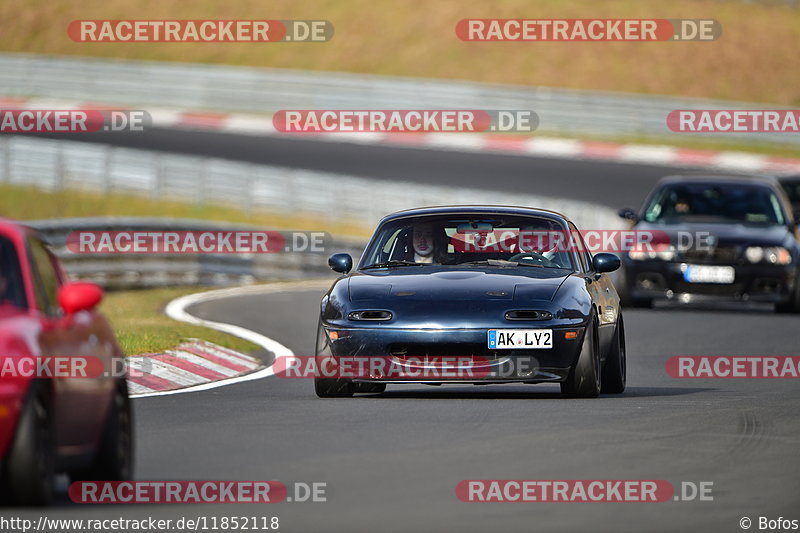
pixel 774 255
pixel 664 254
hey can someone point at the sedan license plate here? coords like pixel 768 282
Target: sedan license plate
pixel 520 339
pixel 709 274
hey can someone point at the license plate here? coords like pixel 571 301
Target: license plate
pixel 709 274
pixel 520 339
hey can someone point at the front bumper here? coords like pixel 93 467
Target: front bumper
pixel 402 355
pixel 757 283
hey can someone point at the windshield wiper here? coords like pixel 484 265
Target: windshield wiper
pixel 393 263
pixel 499 262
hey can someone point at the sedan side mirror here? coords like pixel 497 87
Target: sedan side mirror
pixel 340 263
pixel 79 296
pixel 628 214
pixel 605 263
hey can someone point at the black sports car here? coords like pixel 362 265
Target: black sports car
pixel 731 238
pixel 475 295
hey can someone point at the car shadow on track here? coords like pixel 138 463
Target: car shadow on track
pixel 717 307
pixel 517 393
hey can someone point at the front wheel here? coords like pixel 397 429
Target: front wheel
pixel 615 368
pixel 793 305
pixel 333 388
pixel 30 469
pixel 584 377
pixel 113 460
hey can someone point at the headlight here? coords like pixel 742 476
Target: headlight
pixel 774 255
pixel 777 255
pixel 667 254
pixel 663 254
pixel 754 254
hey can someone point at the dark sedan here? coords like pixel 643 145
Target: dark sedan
pixel 732 238
pixel 473 295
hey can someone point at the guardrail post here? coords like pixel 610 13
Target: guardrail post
pixel 60 170
pixel 6 175
pixel 158 179
pixel 107 170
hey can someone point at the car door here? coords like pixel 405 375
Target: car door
pixel 80 403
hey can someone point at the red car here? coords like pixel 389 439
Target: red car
pixel 79 423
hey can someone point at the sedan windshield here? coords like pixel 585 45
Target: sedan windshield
pixel 715 202
pixel 464 240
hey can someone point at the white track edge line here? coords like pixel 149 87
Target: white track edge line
pixel 176 309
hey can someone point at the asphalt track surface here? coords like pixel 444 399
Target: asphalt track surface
pixel 612 184
pixel 392 461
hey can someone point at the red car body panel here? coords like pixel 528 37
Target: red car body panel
pixel 81 405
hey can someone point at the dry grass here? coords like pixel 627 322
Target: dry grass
pixel 28 203
pixel 141 326
pixel 755 59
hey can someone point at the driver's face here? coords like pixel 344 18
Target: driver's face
pixel 423 240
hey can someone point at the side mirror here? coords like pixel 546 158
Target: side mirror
pixel 628 214
pixel 340 263
pixel 79 296
pixel 605 263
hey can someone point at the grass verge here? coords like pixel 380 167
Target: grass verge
pixel 141 326
pixel 24 202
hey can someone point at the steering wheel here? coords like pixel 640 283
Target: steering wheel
pixel 535 257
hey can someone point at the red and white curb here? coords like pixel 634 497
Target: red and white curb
pixel 191 363
pixel 176 310
pixel 531 146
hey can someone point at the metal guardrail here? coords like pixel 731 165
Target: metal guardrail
pixel 242 89
pixel 53 165
pixel 129 271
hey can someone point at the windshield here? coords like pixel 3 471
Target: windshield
pixel 12 289
pixel 466 240
pixel 715 202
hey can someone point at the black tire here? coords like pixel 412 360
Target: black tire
pixel 793 305
pixel 113 460
pixel 374 388
pixel 584 379
pixel 615 367
pixel 30 466
pixel 333 388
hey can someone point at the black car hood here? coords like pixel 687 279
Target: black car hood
pixel 427 284
pixel 723 233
